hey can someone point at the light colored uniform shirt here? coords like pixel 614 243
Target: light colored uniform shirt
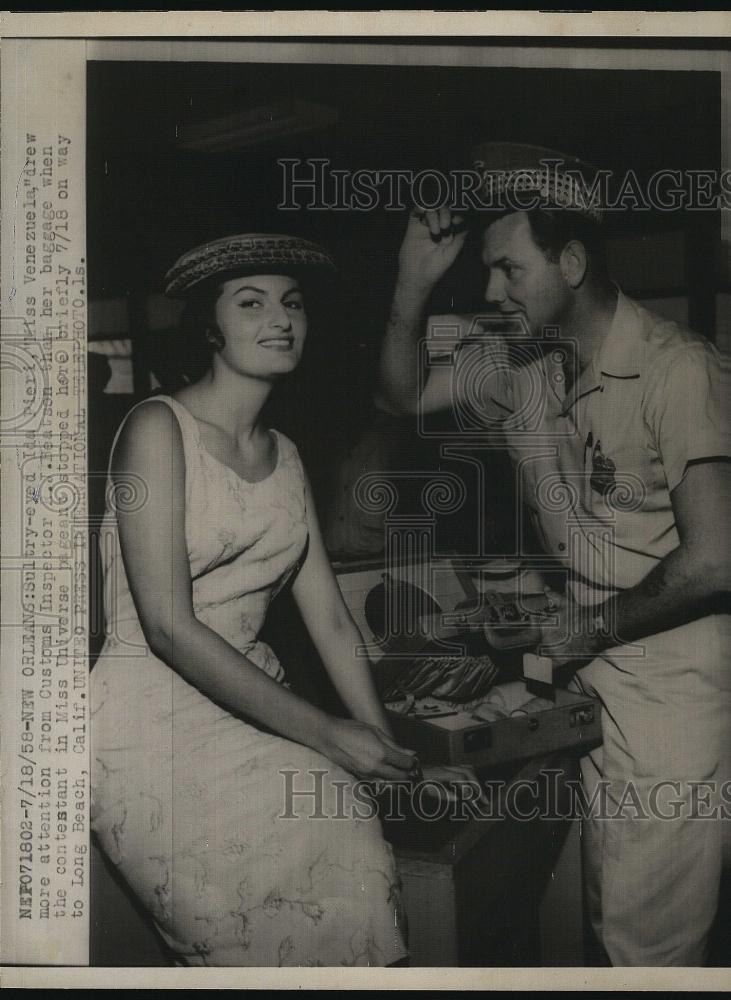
pixel 596 466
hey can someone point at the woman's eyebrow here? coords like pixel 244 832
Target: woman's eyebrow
pixel 262 291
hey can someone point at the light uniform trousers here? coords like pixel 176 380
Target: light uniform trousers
pixel 652 883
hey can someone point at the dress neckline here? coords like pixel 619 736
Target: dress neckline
pixel 223 465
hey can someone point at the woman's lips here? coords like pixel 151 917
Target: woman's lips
pixel 278 343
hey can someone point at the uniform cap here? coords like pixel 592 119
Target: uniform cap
pixel 519 177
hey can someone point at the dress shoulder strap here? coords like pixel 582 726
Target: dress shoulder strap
pixel 185 420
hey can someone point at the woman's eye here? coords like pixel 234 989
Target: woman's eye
pixel 294 304
pixel 249 304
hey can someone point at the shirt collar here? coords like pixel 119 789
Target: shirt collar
pixel 619 353
pixel 618 356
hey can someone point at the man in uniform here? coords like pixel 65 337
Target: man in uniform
pixel 619 434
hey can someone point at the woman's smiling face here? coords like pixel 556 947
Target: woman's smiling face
pixel 263 322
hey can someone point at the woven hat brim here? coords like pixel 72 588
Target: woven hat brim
pixel 522 171
pixel 247 253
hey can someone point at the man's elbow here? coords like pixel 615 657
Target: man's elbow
pixel 714 574
pixel 721 577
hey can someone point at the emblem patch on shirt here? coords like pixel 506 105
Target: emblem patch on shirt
pixel 603 469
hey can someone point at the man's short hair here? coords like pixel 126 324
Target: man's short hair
pixel 553 228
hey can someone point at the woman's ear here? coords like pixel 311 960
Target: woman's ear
pixel 574 263
pixel 215 337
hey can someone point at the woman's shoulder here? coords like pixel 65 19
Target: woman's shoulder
pixel 154 413
pixel 150 422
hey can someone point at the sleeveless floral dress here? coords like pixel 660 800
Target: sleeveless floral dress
pixel 190 802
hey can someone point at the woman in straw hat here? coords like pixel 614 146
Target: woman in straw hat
pixel 225 800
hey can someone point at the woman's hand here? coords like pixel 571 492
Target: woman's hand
pixel 430 246
pixel 367 752
pixel 450 784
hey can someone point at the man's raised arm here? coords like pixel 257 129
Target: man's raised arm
pixel 432 243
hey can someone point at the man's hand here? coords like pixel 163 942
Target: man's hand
pixel 431 245
pixel 570 635
pixel 690 582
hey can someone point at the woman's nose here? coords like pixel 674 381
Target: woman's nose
pixel 280 318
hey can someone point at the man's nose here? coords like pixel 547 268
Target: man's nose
pixel 495 291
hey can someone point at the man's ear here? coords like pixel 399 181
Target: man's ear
pixel 574 263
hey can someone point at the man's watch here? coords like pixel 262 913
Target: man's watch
pixel 601 631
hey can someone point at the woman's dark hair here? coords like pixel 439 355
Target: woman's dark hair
pixel 198 334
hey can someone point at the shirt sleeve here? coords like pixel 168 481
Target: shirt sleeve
pixel 688 409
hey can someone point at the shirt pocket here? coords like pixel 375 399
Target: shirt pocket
pixel 625 483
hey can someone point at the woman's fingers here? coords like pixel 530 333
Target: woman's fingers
pixel 387 758
pixel 386 773
pixel 404 760
pixel 452 780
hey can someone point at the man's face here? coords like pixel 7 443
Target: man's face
pixel 520 278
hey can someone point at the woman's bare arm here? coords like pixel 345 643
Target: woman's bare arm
pixel 337 639
pixel 155 556
pixel 333 630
